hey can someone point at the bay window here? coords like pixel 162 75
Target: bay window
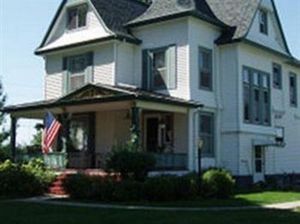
pixel 256 91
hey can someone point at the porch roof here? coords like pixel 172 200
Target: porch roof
pixel 102 93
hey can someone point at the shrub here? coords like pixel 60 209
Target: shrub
pixel 3 155
pixel 128 190
pixel 217 183
pixel 82 186
pixel 38 169
pixel 130 162
pixel 22 180
pixel 170 188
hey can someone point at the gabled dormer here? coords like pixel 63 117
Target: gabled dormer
pixel 89 21
pixel 266 29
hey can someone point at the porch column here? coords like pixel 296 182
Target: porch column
pixel 13 135
pixel 192 138
pixel 135 123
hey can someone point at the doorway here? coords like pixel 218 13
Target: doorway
pixel 259 164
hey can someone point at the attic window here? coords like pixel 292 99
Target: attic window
pixel 263 21
pixel 77 17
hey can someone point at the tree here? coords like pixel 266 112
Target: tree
pixel 4 134
pixel 37 137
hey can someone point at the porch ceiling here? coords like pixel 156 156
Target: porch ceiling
pixel 101 97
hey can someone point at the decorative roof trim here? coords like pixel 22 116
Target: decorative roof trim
pixel 98 40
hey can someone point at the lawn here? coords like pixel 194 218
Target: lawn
pixel 246 199
pixel 27 213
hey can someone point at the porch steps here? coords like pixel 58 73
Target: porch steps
pixel 56 187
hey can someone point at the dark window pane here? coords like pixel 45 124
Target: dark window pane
pixel 277 76
pixel 205 67
pixel 72 19
pixel 246 102
pixel 263 23
pixel 82 14
pixel 159 68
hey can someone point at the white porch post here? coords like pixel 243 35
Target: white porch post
pixel 192 138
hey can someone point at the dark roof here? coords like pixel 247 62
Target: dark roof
pixel 237 14
pixel 119 94
pixel 165 9
pixel 233 16
pixel 116 13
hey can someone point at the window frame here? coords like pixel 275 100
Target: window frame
pixel 204 135
pixel 263 109
pixel 200 69
pixel 147 79
pixel 152 52
pixel 263 21
pixel 279 67
pixel 77 8
pixel 295 90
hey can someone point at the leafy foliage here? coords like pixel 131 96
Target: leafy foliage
pixel 217 183
pixel 164 188
pixel 4 134
pixel 130 161
pixel 24 180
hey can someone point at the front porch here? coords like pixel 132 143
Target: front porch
pixel 97 118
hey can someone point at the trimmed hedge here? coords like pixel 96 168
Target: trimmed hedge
pixel 24 180
pixel 162 188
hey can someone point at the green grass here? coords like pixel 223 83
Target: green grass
pixel 249 199
pixel 27 213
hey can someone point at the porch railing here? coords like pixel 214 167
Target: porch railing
pixel 171 161
pixel 55 160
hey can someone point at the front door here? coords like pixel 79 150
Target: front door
pixel 259 164
pixel 80 147
pixel 152 134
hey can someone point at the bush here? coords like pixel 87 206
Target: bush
pixel 3 155
pixel 171 188
pixel 217 183
pixel 23 180
pixel 163 188
pixel 130 163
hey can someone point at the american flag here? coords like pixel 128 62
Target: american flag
pixel 51 130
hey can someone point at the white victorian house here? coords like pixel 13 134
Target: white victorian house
pixel 177 72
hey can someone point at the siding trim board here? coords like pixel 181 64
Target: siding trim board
pixel 95 41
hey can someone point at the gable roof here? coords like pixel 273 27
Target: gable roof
pixel 235 17
pixel 114 13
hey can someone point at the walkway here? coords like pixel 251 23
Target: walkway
pixel 48 201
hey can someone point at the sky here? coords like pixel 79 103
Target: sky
pixel 23 24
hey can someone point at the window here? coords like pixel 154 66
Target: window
pixel 78 71
pixel 263 21
pixel 206 133
pixel 277 76
pixel 77 17
pixel 159 68
pixel 256 91
pixel 293 90
pixel 77 66
pixel 205 69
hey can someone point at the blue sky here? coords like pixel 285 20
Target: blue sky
pixel 23 24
